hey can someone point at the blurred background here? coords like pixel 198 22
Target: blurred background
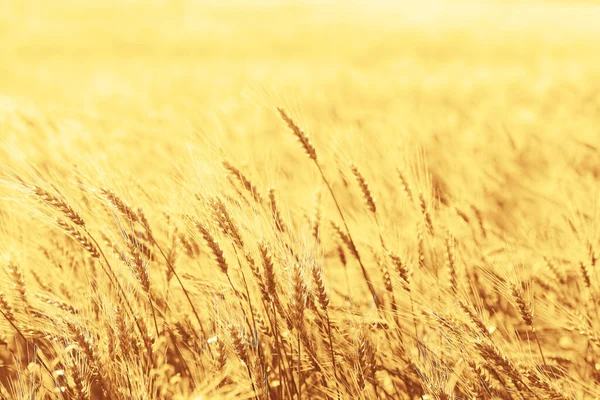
pixel 94 52
pixel 100 75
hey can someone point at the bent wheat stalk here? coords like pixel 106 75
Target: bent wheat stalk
pixel 312 154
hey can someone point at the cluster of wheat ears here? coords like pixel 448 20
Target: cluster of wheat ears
pixel 297 304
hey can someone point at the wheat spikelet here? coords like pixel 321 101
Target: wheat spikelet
pixel 387 278
pixel 147 339
pixel 122 332
pixel 257 277
pixel 480 222
pixel 57 303
pixel 246 183
pixel 485 380
pixel 59 204
pixel 261 380
pixel 139 266
pixel 141 248
pixel 214 247
pixel 402 269
pixel 420 246
pixel 240 347
pixel 144 222
pixel 583 328
pixel 524 309
pixel 319 287
pixel 80 238
pixel 427 214
pixel 364 187
pixel 405 185
pixel 344 238
pixel 80 387
pixel 462 214
pixel 493 355
pixel 279 224
pixel 592 254
pixel 474 318
pixel 19 282
pixel 367 362
pixel 84 342
pixel 226 223
pixel 341 255
pixel 450 244
pixel 173 252
pixel 315 220
pixel 261 324
pixel 89 348
pixel 585 273
pixel 6 308
pixel 188 246
pixel 120 205
pixel 298 296
pixel 221 361
pixel 555 271
pixel 299 133
pixel 269 269
pixel 41 282
pixel 547 388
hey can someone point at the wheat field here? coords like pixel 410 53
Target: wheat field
pixel 299 200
